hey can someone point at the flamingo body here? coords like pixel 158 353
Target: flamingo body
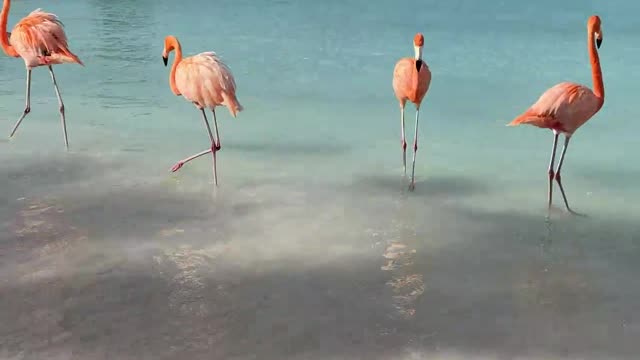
pixel 39 39
pixel 409 83
pixel 563 108
pixel 207 82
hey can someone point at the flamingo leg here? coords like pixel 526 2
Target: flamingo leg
pixel 27 108
pixel 551 173
pixel 213 150
pixel 179 164
pixel 559 179
pixel 215 125
pixel 214 144
pixel 61 107
pixel 403 142
pixel 415 150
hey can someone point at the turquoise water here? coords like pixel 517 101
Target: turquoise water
pixel 312 247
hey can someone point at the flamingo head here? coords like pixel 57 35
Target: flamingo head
pixel 170 43
pixel 418 42
pixel 595 27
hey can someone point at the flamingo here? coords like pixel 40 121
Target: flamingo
pixel 567 106
pixel 39 39
pixel 207 82
pixel 411 79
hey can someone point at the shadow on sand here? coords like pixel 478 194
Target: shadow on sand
pixel 280 279
pixel 440 186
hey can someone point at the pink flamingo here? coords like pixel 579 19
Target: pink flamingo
pixel 567 106
pixel 205 81
pixel 39 39
pixel 411 79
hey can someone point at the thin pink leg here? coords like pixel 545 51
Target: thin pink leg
pixel 550 170
pixel 403 143
pixel 216 145
pixel 214 148
pixel 415 150
pixel 27 107
pixel 559 179
pixel 179 164
pixel 215 125
pixel 61 108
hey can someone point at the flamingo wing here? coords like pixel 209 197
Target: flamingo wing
pixel 408 83
pixel 42 34
pixel 205 80
pixel 401 77
pixel 564 107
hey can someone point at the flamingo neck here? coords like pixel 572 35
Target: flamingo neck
pixel 596 71
pixel 418 57
pixel 418 52
pixel 4 37
pixel 174 66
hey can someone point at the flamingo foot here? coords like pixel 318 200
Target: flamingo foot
pixel 412 186
pixel 177 166
pixel 577 213
pixel 562 212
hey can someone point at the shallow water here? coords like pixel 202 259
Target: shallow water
pixel 312 247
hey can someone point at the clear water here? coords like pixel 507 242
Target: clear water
pixel 312 248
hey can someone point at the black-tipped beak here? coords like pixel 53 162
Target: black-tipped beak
pixel 418 65
pixel 165 60
pixel 598 43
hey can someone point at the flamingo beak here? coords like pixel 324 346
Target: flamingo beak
pixel 599 39
pixel 165 60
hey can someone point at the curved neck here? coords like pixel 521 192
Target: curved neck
pixel 174 66
pixel 4 37
pixel 596 72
